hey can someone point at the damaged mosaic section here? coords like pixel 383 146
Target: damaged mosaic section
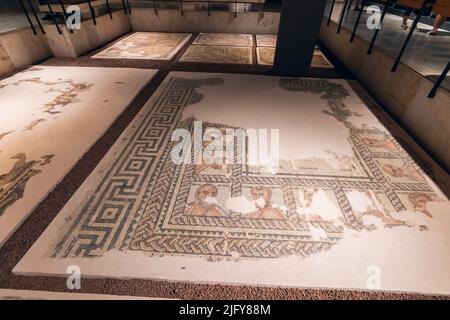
pixel 53 105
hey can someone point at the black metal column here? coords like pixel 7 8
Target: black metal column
pixel 53 17
pixel 439 81
pixel 377 31
pixel 155 6
pixel 331 12
pixel 63 8
pixel 28 16
pixel 124 7
pixel 36 16
pixel 355 27
pixel 109 9
pixel 91 8
pixel 341 19
pixel 129 7
pixel 297 36
pixel 408 37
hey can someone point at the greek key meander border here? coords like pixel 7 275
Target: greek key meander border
pixel 145 231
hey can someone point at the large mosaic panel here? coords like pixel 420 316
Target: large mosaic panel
pixel 146 45
pixel 345 200
pixel 50 116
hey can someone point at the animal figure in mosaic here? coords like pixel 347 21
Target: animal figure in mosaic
pixel 13 183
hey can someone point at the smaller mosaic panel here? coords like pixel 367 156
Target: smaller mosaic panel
pixel 218 54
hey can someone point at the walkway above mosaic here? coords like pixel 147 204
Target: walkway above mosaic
pixel 146 45
pixel 65 109
pixel 340 203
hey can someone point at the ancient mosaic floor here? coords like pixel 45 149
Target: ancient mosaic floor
pixel 218 54
pixel 345 203
pixel 65 110
pixel 146 45
pixel 224 39
pixel 266 56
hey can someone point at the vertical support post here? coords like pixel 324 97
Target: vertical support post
pixel 124 7
pixel 28 17
pixel 35 16
pixel 350 4
pixel 65 14
pixel 181 8
pixel 408 38
pixel 209 12
pixel 341 19
pixel 331 12
pixel 297 36
pixel 155 6
pixel 109 9
pixel 438 83
pixel 53 17
pixel 355 27
pixel 92 12
pixel 387 3
pixel 129 7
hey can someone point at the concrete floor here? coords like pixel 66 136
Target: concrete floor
pixel 425 54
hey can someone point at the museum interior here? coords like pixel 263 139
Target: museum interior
pixel 223 149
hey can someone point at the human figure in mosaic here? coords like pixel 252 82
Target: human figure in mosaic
pixel 420 201
pixel 263 200
pixel 385 143
pixel 205 203
pixel 405 171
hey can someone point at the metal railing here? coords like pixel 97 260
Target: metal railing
pixel 234 6
pixel 387 4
